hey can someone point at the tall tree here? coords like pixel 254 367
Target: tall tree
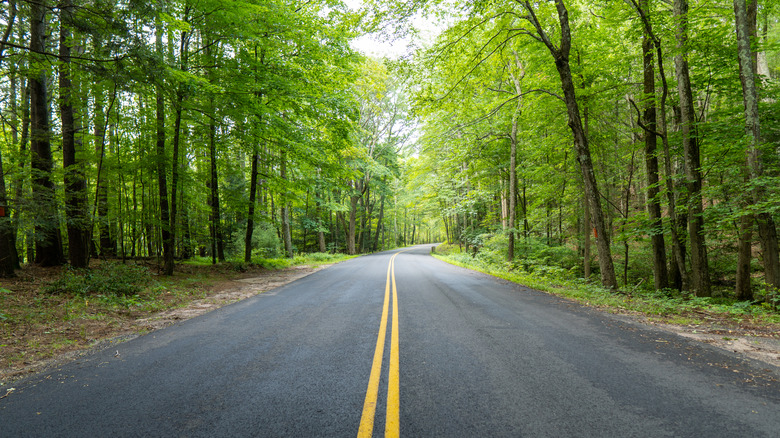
pixel 48 242
pixel 517 73
pixel 560 54
pixel 700 281
pixel 660 273
pixel 162 160
pixel 747 74
pixel 75 183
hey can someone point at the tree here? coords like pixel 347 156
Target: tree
pixel 561 56
pixel 75 183
pixel 700 283
pixel 747 74
pixel 48 243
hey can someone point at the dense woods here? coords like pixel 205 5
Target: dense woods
pixel 173 129
pixel 634 142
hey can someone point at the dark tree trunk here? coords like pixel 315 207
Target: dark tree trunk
pixel 660 273
pixel 743 289
pixel 162 169
pixel 561 56
pixel 700 281
pixel 379 222
pixel 250 216
pixel 8 256
pixel 217 241
pixel 285 212
pixel 354 197
pixel 677 271
pixel 48 242
pixel 745 18
pixel 75 183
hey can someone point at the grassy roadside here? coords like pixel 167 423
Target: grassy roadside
pixel 659 306
pixel 45 312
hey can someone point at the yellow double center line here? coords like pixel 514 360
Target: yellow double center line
pixel 392 422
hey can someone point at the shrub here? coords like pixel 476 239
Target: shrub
pixel 265 242
pixel 110 278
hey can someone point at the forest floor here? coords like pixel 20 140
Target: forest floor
pixel 40 331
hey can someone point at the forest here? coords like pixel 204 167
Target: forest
pixel 632 144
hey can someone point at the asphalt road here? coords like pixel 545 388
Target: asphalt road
pixel 476 357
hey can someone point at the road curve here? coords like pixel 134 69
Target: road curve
pixel 476 356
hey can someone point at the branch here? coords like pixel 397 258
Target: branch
pixel 53 55
pixel 639 120
pixel 475 66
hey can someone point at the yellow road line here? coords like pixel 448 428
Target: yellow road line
pixel 392 421
pixel 369 405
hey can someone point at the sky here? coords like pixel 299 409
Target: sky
pixel 383 46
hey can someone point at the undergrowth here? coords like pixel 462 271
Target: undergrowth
pixel 556 270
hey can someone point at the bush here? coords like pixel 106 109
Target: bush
pixel 110 278
pixel 265 242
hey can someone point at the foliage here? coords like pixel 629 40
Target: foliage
pixel 664 303
pixel 109 279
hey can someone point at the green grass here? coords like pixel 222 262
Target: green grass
pixel 671 307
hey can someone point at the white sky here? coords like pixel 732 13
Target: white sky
pixel 382 46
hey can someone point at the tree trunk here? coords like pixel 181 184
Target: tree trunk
pixel 743 289
pixel 75 183
pixel 561 56
pixel 660 273
pixel 48 242
pixel 767 230
pixel 286 232
pixel 250 216
pixel 512 213
pixel 700 282
pixel 379 225
pixel 162 168
pixel 353 202
pixel 8 255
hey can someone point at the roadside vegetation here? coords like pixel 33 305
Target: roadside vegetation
pixel 47 311
pixel 556 270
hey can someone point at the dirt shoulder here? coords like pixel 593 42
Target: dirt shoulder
pixel 66 339
pixel 753 342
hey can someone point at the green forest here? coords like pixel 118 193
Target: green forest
pixel 629 144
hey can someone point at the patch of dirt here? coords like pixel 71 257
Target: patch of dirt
pixel 227 292
pixel 69 339
pixel 760 343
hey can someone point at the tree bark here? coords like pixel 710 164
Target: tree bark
pixel 379 223
pixel 743 289
pixel 660 273
pixel 162 168
pixel 286 232
pixel 767 230
pixel 75 183
pixel 512 213
pixel 561 56
pixel 250 216
pixel 48 242
pixel 8 256
pixel 217 241
pixel 700 281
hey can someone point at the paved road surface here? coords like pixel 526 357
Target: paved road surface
pixel 474 357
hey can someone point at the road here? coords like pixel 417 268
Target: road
pixel 462 355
